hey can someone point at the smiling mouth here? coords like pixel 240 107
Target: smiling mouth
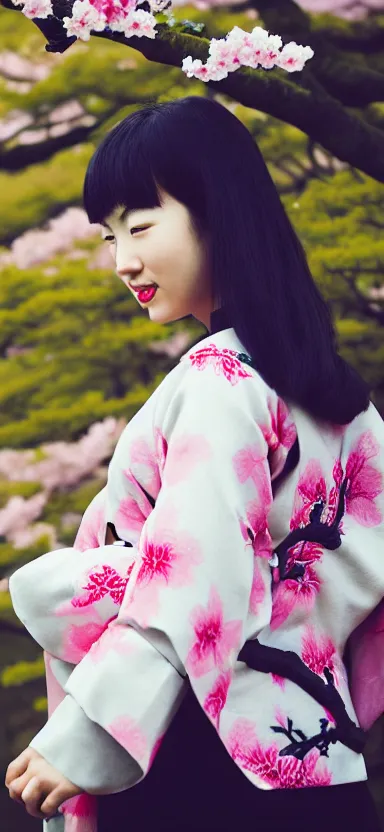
pixel 146 293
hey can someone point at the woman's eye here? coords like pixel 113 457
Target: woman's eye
pixel 109 239
pixel 138 228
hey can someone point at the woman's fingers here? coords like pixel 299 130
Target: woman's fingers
pixel 32 796
pixel 17 787
pixel 17 767
pixel 50 806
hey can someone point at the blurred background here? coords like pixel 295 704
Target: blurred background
pixel 78 355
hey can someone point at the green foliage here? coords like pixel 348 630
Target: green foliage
pixel 5 602
pixel 339 222
pixel 9 555
pixel 74 501
pixel 40 704
pixel 13 488
pixel 27 197
pixel 83 352
pixel 22 672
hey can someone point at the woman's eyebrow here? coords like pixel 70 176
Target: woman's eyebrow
pixel 122 216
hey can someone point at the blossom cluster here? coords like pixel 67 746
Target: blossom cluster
pixel 63 465
pixel 98 15
pixel 239 48
pixel 252 49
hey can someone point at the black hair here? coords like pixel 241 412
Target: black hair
pixel 203 156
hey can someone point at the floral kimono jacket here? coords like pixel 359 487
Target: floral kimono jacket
pixel 254 548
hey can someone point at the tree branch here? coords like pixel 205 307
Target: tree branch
pixel 22 155
pixel 363 304
pixel 354 85
pixel 303 103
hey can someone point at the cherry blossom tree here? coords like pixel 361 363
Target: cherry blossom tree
pixel 333 98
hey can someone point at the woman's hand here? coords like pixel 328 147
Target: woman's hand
pixel 38 785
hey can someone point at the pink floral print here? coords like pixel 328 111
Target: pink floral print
pixel 311 488
pixel 224 362
pixel 143 461
pixel 102 581
pixel 214 639
pixel 285 772
pixel 79 638
pixel 364 482
pixel 258 590
pixel 188 451
pixel 168 558
pixel 216 699
pixel 195 497
pixel 79 813
pixel 320 653
pixel 280 433
pixel 291 593
pixel 91 532
pixel 126 732
pixel 114 640
pixel 249 463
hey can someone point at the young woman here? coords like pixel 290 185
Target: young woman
pixel 205 656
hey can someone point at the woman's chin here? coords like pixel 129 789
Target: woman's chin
pixel 164 316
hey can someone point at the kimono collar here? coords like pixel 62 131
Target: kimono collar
pixel 219 320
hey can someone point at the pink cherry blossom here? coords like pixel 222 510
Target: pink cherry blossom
pixel 36 8
pixel 141 24
pixel 284 772
pixel 319 653
pixel 92 526
pixel 103 580
pixel 249 463
pixel 241 48
pixel 279 434
pixel 186 453
pixel 168 559
pixel 258 590
pixel 214 640
pixel 278 680
pixel 216 699
pixel 129 517
pixel 280 717
pixel 114 638
pixel 161 445
pixel 283 429
pixel 80 813
pixel 223 361
pixel 289 594
pixel 292 57
pixel 310 489
pixel 171 560
pixel 334 494
pixel 143 457
pixel 365 482
pixel 257 520
pixel 79 638
pixel 126 731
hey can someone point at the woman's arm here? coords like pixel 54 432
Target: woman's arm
pixel 201 582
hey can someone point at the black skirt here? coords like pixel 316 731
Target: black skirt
pixel 194 786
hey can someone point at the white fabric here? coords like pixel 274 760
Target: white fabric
pixel 197 582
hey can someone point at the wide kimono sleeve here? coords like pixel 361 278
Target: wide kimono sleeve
pixel 201 583
pixel 68 597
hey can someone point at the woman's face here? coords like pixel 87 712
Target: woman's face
pixel 160 245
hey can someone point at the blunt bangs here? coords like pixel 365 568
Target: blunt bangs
pixel 120 173
pixel 151 149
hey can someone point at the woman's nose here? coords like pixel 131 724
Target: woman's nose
pixel 129 269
